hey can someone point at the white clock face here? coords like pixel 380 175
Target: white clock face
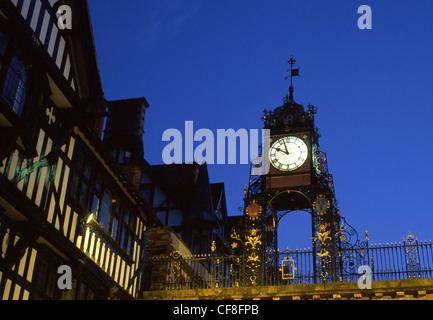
pixel 288 153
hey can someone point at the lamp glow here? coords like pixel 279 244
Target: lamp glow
pixel 90 218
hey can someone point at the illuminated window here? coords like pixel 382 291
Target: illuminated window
pixel 15 86
pixel 92 194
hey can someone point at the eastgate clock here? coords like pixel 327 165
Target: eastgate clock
pixel 288 153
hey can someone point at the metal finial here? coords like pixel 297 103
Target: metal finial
pixel 293 73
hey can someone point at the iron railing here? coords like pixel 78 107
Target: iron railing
pixel 402 260
pixel 391 261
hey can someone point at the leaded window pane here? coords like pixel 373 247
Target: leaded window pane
pixel 15 86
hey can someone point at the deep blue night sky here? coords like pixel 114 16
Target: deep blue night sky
pixel 219 63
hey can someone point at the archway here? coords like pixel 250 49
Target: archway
pixel 295 230
pixel 291 212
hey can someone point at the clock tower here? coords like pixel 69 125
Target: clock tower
pixel 298 180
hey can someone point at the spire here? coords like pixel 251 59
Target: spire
pixel 293 73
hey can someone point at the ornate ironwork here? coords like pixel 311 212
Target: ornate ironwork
pixel 293 73
pixel 390 261
pixel 336 250
pixel 412 261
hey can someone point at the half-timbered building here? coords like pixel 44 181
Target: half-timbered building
pixel 73 197
pixel 64 200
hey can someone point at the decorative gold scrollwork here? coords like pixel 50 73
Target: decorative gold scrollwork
pixel 322 236
pixel 253 257
pixel 235 236
pixel 175 254
pixel 254 241
pixel 288 264
pixel 323 253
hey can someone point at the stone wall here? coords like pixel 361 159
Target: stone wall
pixel 163 241
pixel 381 290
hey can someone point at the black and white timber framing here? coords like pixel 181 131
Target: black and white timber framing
pixel 67 196
pixel 54 170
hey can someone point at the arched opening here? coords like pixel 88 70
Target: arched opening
pixel 294 225
pixel 295 231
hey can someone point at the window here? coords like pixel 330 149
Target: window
pixel 82 291
pixel 114 227
pixel 104 213
pixel 90 192
pixel 46 285
pixel 127 236
pixel 79 291
pixel 120 155
pixel 15 81
pixel 82 196
pixel 75 183
pixel 96 195
pixel 123 227
pixel 95 205
pixel 15 86
pixel 79 188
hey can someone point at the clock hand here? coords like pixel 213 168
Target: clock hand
pixel 286 152
pixel 285 146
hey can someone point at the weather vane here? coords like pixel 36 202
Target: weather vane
pixel 293 73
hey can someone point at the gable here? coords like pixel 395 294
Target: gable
pixel 41 17
pixel 71 53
